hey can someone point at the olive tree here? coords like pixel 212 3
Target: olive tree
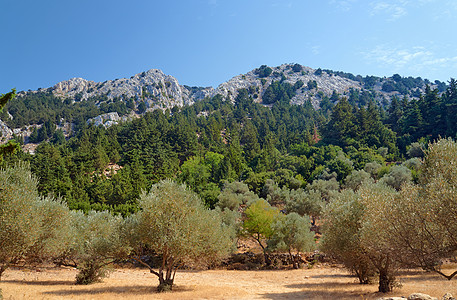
pixel 355 232
pixel 174 224
pixel 273 193
pixel 19 219
pixel 305 203
pixel 291 233
pixel 372 168
pixel 341 234
pixel 32 229
pixel 425 229
pixel 376 199
pixel 235 194
pixel 356 179
pixel 96 244
pixel 397 176
pixel 259 217
pixel 55 234
pixel 416 149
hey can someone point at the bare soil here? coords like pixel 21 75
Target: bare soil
pixel 320 282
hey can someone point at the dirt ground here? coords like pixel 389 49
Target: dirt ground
pixel 320 282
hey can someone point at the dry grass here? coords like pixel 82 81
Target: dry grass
pixel 317 283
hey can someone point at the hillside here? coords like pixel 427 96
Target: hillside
pixel 69 103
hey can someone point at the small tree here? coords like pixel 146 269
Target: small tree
pixel 397 176
pixel 96 244
pixel 259 217
pixel 305 203
pixel 235 194
pixel 273 193
pixel 356 179
pixel 19 220
pixel 55 233
pixel 341 234
pixel 374 234
pixel 425 229
pixel 372 168
pixel 291 233
pixel 175 225
pixel 415 150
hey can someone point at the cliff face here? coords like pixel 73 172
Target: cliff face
pixel 5 132
pixel 326 83
pixel 160 91
pixel 153 87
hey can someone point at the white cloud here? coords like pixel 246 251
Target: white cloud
pixel 408 60
pixel 344 5
pixel 394 9
pixel 316 50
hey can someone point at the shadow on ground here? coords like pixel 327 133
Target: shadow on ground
pixel 40 282
pixel 119 290
pixel 329 290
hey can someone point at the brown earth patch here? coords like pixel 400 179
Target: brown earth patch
pixel 320 282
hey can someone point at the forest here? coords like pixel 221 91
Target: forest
pixel 289 168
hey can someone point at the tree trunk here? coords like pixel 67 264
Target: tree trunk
pixel 2 269
pixel 165 284
pixel 293 260
pixel 385 281
pixel 265 255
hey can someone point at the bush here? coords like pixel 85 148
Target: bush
pixel 263 71
pixel 397 176
pixel 356 179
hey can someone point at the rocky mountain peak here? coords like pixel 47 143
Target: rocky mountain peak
pixel 291 73
pixel 153 87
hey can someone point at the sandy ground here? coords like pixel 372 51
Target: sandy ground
pixel 317 283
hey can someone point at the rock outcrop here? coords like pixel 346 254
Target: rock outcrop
pixel 153 87
pixel 160 91
pixel 420 296
pixel 108 119
pixel 326 84
pixel 5 132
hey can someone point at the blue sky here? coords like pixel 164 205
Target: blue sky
pixel 206 42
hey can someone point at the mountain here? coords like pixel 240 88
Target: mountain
pixel 153 87
pixel 78 100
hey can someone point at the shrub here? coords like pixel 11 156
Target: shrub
pixel 397 176
pixel 263 71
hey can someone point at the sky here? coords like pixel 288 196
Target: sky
pixel 207 42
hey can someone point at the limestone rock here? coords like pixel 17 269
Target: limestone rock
pixel 153 87
pixel 326 84
pixel 448 296
pixel 105 120
pixel 5 131
pixel 420 296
